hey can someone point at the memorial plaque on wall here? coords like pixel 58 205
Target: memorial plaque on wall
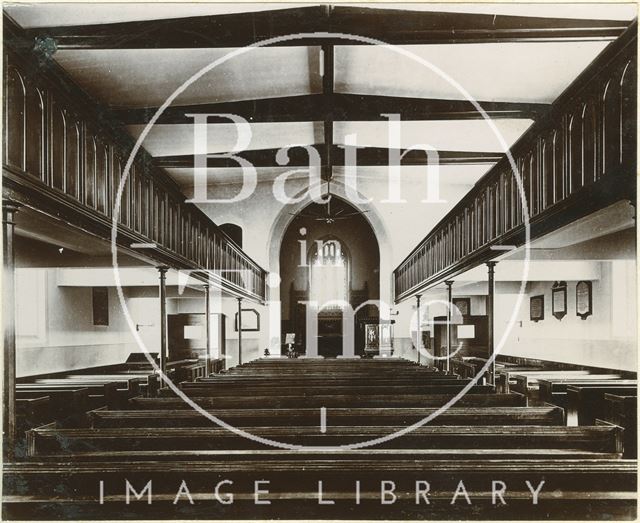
pixel 536 308
pixel 100 299
pixel 463 305
pixel 584 299
pixel 559 299
pixel 250 320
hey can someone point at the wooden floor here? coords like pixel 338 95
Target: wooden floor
pixel 321 416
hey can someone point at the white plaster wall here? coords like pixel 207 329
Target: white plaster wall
pixel 63 336
pixel 605 339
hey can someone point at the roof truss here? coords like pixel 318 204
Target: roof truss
pixel 298 157
pixel 343 107
pixel 399 27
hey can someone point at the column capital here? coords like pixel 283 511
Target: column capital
pixel 448 283
pixel 239 298
pixel 205 286
pixel 162 269
pixel 491 264
pixel 9 209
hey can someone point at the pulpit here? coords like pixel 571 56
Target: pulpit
pixel 378 339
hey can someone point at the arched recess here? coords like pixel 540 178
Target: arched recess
pixel 282 222
pixel 327 254
pixel 233 231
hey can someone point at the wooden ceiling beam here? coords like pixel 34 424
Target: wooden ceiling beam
pixel 344 107
pixel 393 26
pixel 369 156
pixel 328 95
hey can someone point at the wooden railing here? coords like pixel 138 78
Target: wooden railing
pixel 59 154
pixel 577 159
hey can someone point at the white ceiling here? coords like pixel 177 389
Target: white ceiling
pixel 55 14
pixel 527 71
pixel 59 14
pixel 170 140
pixel 229 175
pixel 449 174
pixel 147 77
pixel 443 135
pixel 593 11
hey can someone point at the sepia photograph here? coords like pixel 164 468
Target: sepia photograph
pixel 311 261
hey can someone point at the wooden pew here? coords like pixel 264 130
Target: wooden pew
pixel 581 505
pixel 525 381
pixel 485 436
pixel 191 372
pixel 203 390
pixel 33 412
pixel 471 366
pixel 288 373
pixel 303 362
pixel 397 417
pixel 329 373
pixel 337 454
pixel 133 382
pixel 463 369
pixel 622 410
pixel 505 376
pixel 586 403
pixel 555 390
pixel 215 366
pixel 329 401
pixel 603 475
pixel 338 371
pixel 100 392
pixel 64 403
pixel 326 381
pixel 325 366
pixel 50 440
pixel 129 384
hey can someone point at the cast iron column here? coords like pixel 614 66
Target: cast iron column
pixel 9 210
pixel 491 371
pixel 239 331
pixel 449 284
pixel 207 316
pixel 163 319
pixel 418 328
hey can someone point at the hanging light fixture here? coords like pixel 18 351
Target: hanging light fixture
pixel 329 217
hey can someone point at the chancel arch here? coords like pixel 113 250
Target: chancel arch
pixel 285 219
pixel 331 264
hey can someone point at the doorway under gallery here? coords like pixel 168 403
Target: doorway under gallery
pixel 328 255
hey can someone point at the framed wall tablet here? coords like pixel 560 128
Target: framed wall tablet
pixel 250 320
pixel 467 332
pixel 100 305
pixel 559 299
pixel 536 308
pixel 584 299
pixel 463 305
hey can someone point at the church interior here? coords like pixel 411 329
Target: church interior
pixel 312 261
